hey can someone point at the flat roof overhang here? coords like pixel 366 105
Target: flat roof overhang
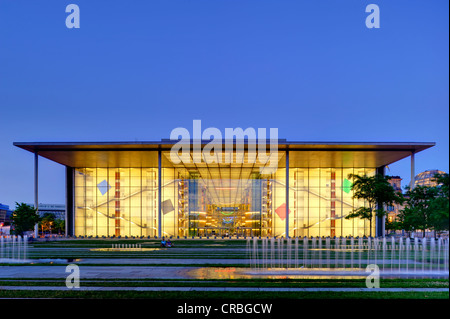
pixel 303 154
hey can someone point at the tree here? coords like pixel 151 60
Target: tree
pixel 427 207
pixel 403 222
pixel 418 211
pixel 377 192
pixel 439 218
pixel 59 226
pixel 393 225
pixel 24 218
pixel 46 223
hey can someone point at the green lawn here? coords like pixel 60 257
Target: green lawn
pixel 235 295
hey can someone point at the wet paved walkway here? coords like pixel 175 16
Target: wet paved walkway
pixel 95 272
pixel 186 272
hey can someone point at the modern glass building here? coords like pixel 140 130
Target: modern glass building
pixel 138 189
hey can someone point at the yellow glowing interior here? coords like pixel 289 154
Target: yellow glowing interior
pixel 215 199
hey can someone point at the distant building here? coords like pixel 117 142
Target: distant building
pixel 58 210
pixel 5 214
pixel 427 178
pixel 396 182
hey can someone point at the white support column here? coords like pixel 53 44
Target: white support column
pixel 159 195
pixel 413 174
pixel 413 169
pixel 36 189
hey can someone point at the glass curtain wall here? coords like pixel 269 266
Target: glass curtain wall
pixel 216 199
pixel 220 199
pixel 321 198
pixel 116 201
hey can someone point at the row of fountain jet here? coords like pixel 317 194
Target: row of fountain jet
pixel 424 255
pixel 13 248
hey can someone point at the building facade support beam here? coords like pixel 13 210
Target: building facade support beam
pixel 36 190
pixel 380 220
pixel 413 169
pixel 159 195
pixel 69 229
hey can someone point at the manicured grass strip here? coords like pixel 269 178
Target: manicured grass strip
pixel 220 295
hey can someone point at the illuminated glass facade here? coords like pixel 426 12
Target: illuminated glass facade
pixel 139 189
pixel 215 199
pixel 116 201
pixel 320 198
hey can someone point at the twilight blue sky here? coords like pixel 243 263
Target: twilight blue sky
pixel 137 69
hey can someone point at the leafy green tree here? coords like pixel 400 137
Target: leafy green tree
pixel 59 226
pixel 427 207
pixel 46 223
pixel 418 210
pixel 393 225
pixel 405 223
pixel 24 218
pixel 439 217
pixel 377 192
